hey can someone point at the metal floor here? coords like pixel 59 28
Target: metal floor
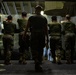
pixel 48 68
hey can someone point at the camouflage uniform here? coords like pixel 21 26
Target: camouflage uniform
pixel 69 30
pixel 8 40
pixel 24 44
pixel 55 41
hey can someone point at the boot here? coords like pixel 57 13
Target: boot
pixel 24 62
pixel 38 68
pixel 7 62
pixel 20 60
pixel 23 59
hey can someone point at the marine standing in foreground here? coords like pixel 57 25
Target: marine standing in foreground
pixel 38 28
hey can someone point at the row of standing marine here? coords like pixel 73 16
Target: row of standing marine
pixel 37 24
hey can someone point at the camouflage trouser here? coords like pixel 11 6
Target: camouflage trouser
pixel 58 55
pixel 8 43
pixel 55 45
pixel 24 47
pixel 68 56
pixel 69 44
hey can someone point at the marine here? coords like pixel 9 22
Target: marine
pixel 24 44
pixel 8 38
pixel 69 31
pixel 55 40
pixel 38 28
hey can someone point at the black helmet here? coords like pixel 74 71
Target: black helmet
pixel 38 7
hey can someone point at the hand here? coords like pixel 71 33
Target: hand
pixel 24 36
pixel 5 19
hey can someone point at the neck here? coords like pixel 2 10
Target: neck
pixel 9 20
pixel 23 17
pixel 68 20
pixel 54 21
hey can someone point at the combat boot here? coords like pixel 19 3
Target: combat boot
pixel 38 68
pixel 23 59
pixel 7 62
pixel 8 58
pixel 20 60
pixel 68 56
pixel 24 62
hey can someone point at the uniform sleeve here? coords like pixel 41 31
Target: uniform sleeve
pixel 15 28
pixel 30 18
pixel 4 23
pixel 46 21
pixel 74 28
pixel 48 29
pixel 29 21
pixel 62 28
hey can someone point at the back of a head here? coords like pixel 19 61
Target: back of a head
pixel 24 14
pixel 54 18
pixel 68 17
pixel 9 17
pixel 38 7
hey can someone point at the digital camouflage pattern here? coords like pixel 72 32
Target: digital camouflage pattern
pixel 8 40
pixel 9 27
pixel 22 24
pixel 69 30
pixel 55 41
pixel 58 55
pixel 24 44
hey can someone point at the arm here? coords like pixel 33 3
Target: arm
pixel 46 32
pixel 3 26
pixel 62 29
pixel 15 29
pixel 27 26
pixel 75 29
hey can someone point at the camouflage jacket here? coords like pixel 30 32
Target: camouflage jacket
pixel 9 27
pixel 22 24
pixel 68 27
pixel 55 29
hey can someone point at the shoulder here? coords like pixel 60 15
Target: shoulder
pixel 13 24
pixel 65 23
pixel 69 23
pixel 54 23
pixel 72 23
pixel 31 18
pixel 43 17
